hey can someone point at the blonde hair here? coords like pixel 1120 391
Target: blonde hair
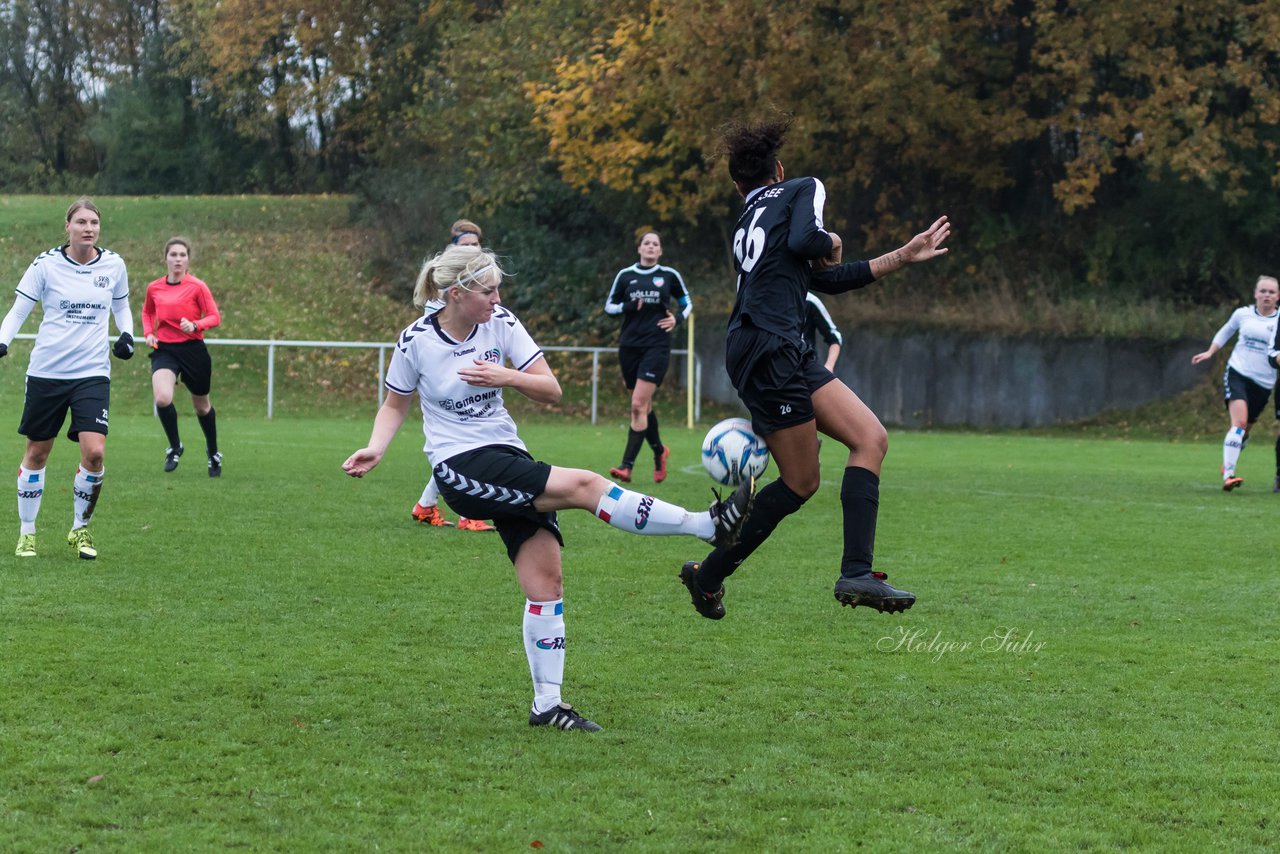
pixel 466 267
pixel 1265 278
pixel 177 240
pixel 82 202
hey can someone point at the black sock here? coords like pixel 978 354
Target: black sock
pixel 860 501
pixel 773 504
pixel 209 424
pixel 169 421
pixel 1277 456
pixel 651 434
pixel 635 439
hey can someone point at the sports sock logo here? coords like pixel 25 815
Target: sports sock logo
pixel 550 643
pixel 642 512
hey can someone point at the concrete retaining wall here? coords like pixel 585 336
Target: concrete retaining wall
pixel 921 380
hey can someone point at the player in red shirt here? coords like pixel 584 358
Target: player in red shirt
pixel 177 311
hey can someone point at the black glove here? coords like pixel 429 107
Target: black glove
pixel 4 350
pixel 124 347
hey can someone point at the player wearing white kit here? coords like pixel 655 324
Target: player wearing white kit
pixel 77 285
pixel 1250 377
pixel 463 232
pixel 456 361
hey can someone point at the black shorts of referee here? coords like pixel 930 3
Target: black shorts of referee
pixel 189 360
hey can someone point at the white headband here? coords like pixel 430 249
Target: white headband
pixel 471 277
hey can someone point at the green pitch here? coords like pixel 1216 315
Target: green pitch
pixel 281 660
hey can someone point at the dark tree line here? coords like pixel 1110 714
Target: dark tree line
pixel 1113 147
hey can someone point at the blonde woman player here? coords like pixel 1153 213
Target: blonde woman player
pixel 463 232
pixel 78 285
pixel 460 360
pixel 1249 377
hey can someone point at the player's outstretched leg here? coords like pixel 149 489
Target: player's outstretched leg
pixel 709 605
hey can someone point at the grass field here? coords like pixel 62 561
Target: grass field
pixel 281 660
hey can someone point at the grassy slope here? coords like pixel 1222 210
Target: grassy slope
pixel 279 267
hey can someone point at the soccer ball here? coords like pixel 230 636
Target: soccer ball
pixel 731 452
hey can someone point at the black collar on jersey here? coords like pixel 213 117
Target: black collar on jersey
pixel 70 260
pixel 434 320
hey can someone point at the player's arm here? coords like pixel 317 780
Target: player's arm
pixel 841 278
pixel 806 237
pixel 615 303
pixel 209 314
pixel 385 426
pixel 21 310
pixel 149 319
pixel 534 380
pixel 1230 328
pixel 925 246
pixel 684 300
pixel 123 317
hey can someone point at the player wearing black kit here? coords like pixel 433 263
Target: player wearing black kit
pixel 643 294
pixel 817 321
pixel 781 250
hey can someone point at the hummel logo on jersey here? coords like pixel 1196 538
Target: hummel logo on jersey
pixel 464 352
pixel 550 643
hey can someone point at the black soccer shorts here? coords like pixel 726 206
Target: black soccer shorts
pixel 1236 386
pixel 775 378
pixel 189 360
pixel 498 482
pixel 48 401
pixel 644 363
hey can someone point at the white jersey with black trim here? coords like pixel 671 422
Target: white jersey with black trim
pixel 77 299
pixel 1257 332
pixel 457 416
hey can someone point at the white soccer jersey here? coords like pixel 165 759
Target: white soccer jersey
pixel 72 341
pixel 457 416
pixel 1249 357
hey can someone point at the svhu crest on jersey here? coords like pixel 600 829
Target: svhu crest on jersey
pixel 102 282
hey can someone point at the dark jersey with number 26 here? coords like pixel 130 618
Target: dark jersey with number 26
pixel 778 233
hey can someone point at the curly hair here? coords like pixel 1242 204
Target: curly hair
pixel 753 148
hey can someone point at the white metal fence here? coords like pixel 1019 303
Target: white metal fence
pixel 383 348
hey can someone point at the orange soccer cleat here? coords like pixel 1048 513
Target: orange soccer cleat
pixel 660 465
pixel 430 516
pixel 474 525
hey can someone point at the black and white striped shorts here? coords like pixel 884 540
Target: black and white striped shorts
pixel 498 482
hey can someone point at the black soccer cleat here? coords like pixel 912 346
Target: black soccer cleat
pixel 872 590
pixel 171 457
pixel 215 464
pixel 709 605
pixel 729 514
pixel 563 717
